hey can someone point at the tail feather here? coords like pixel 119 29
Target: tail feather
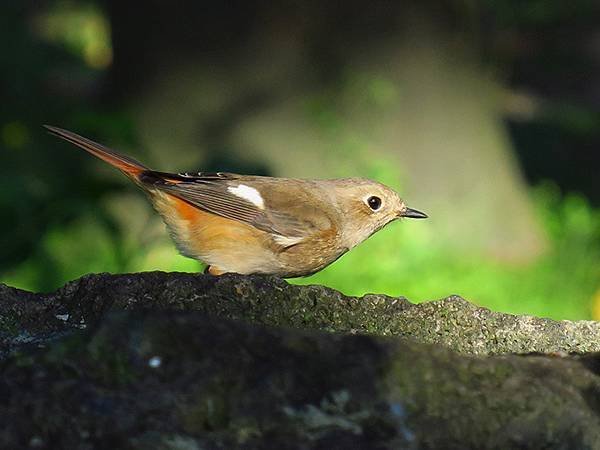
pixel 124 163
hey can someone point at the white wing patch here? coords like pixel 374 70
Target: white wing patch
pixel 248 193
pixel 286 241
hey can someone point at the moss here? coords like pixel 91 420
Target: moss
pixel 498 391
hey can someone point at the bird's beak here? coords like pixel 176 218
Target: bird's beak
pixel 412 213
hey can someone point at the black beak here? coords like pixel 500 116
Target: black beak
pixel 413 214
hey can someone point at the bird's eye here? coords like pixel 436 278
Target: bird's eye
pixel 374 202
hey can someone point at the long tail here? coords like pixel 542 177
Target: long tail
pixel 127 165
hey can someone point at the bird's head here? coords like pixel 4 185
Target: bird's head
pixel 367 206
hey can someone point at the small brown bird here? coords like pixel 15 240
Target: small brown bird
pixel 259 225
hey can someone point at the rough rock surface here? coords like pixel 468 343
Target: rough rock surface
pixel 452 322
pixel 165 361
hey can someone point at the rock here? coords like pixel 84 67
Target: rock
pixel 171 380
pixel 178 361
pixel 452 322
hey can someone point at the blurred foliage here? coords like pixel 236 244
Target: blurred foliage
pixel 63 219
pixel 79 27
pixel 46 77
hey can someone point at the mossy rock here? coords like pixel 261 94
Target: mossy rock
pixel 178 361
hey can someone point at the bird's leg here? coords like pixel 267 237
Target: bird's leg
pixel 212 270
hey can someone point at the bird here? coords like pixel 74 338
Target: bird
pixel 249 224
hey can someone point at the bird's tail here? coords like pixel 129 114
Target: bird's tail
pixel 127 165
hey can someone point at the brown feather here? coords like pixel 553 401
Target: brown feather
pixel 124 163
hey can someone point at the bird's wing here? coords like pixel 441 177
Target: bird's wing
pixel 236 197
pixel 242 198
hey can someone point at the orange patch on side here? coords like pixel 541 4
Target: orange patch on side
pixel 215 233
pixel 215 239
pixel 184 209
pixel 211 227
pixel 226 245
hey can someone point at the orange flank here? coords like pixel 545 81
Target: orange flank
pixel 185 210
pixel 212 230
pixel 216 240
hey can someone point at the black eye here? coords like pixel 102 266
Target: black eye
pixel 374 203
